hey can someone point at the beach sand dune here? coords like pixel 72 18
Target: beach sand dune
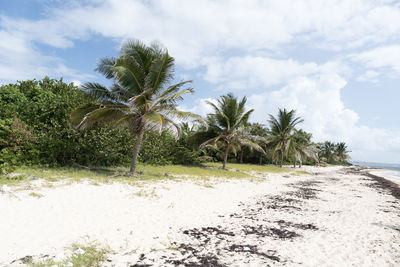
pixel 334 216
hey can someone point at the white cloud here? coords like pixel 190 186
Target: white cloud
pixel 318 101
pixel 254 71
pixel 194 29
pixel 244 72
pixel 76 83
pixel 202 108
pixel 369 76
pixel 19 60
pixel 380 57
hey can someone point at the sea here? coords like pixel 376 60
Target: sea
pixel 389 170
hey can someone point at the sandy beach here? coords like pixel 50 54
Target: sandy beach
pixel 332 216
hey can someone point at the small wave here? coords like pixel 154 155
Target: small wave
pixel 392 175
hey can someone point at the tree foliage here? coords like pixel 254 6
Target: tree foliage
pixel 141 97
pixel 229 128
pixel 281 128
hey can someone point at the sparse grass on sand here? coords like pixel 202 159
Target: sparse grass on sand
pixel 241 167
pixel 82 256
pixel 145 173
pixel 300 173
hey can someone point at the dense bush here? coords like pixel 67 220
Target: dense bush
pixel 164 149
pixel 34 129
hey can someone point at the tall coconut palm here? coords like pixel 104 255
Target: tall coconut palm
pixel 140 97
pixel 342 152
pixel 228 126
pixel 281 132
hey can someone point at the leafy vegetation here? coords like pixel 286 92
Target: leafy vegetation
pixel 91 255
pixel 35 130
pixel 334 153
pixel 228 127
pixel 281 139
pixel 49 124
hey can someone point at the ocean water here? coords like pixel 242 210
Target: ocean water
pixel 389 171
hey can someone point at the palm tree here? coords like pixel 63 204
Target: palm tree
pixel 327 152
pixel 262 132
pixel 140 96
pixel 281 132
pixel 228 126
pixel 342 152
pixel 302 148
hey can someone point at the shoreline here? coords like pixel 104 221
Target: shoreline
pixel 387 174
pixel 386 184
pixel 342 215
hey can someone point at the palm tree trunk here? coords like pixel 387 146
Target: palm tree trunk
pixel 136 151
pixel 260 159
pixel 241 155
pixel 294 164
pixel 225 156
pixel 283 147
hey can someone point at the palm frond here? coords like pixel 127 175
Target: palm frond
pixel 105 66
pixel 161 72
pixel 129 74
pixel 104 114
pixel 100 92
pixel 174 88
pixel 155 120
pixel 79 113
pixel 184 115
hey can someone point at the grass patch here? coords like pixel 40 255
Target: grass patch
pixel 36 195
pixel 82 256
pixel 12 179
pixel 302 172
pixel 147 193
pixel 145 173
pixel 195 171
pixel 250 167
pixel 297 173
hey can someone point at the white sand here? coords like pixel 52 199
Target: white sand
pixel 356 224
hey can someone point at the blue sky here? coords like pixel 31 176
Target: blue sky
pixel 336 62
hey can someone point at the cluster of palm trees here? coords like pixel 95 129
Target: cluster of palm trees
pixel 230 131
pixel 333 152
pixel 143 99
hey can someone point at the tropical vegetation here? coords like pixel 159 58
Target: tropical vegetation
pixel 51 123
pixel 282 138
pixel 141 96
pixel 228 127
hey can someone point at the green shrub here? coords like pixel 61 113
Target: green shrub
pixel 35 130
pixel 163 149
